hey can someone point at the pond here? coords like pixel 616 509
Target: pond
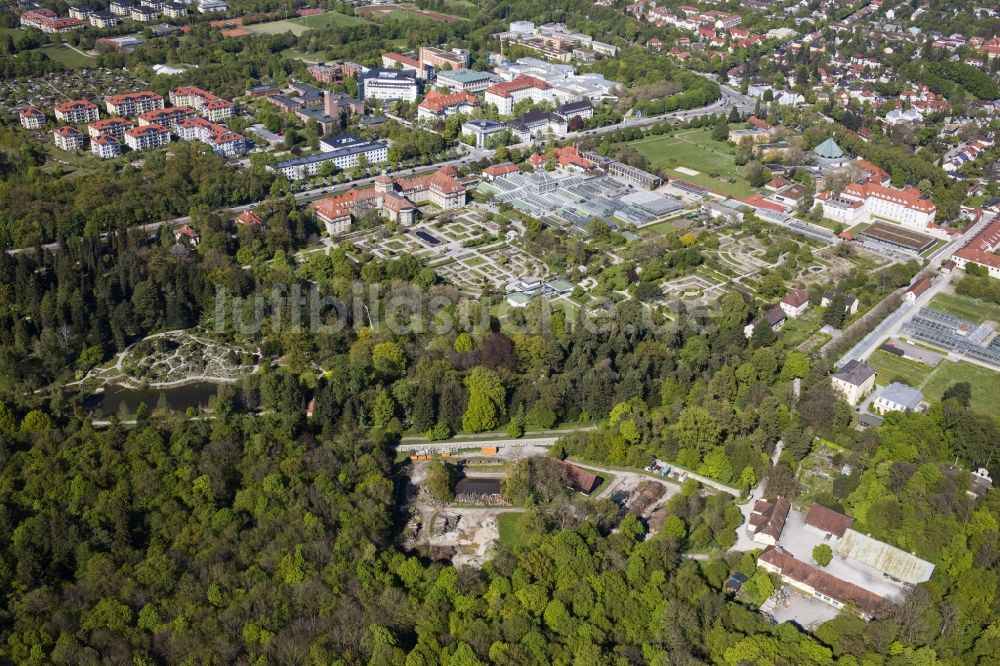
pixel 477 486
pixel 120 400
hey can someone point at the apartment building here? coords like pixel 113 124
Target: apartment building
pixel 48 21
pixel 175 10
pixel 32 118
pixel 389 85
pixel 120 7
pixel 133 104
pixel 212 107
pixel 77 112
pixel 103 20
pixel 81 12
pixel 105 146
pixel 115 127
pixel 223 140
pixel 144 14
pixel 147 137
pixel 68 137
pixel 170 117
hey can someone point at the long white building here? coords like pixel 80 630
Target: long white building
pixel 860 202
pixel 344 151
pixel 389 85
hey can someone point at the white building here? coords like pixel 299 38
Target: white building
pixel 344 152
pixel 68 138
pixel 481 130
pixel 504 96
pixel 389 85
pixel 860 202
pixel 522 27
pixel 206 6
pixel 115 127
pixel 77 112
pixel 103 20
pixel 147 137
pixel 212 107
pixel 223 140
pixel 465 80
pixel 133 104
pixel 898 397
pixel 175 10
pixel 854 381
pixel 32 118
pixel 105 146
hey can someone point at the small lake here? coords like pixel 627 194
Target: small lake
pixel 472 485
pixel 119 400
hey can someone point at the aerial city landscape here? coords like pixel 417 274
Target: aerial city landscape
pixel 495 332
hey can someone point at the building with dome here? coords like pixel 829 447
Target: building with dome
pixel 829 155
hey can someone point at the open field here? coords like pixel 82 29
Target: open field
pixel 511 533
pixel 404 12
pixel 934 381
pixel 892 368
pixel 985 384
pixel 965 307
pixel 67 56
pixel 299 25
pixel 695 149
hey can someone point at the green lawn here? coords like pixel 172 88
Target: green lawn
pixel 934 381
pixel 67 56
pixel 696 150
pixel 509 526
pixel 299 25
pixel 892 368
pixel 797 331
pixel 665 227
pixel 966 307
pixel 985 384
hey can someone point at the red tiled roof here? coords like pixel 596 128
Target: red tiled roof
pixel 497 170
pixel 828 520
pixel 760 124
pixel 141 94
pixel 147 129
pixel 920 286
pixel 68 130
pixel 757 201
pixel 910 197
pixel 980 248
pixel 248 217
pixel 75 104
pixel 520 83
pixel 875 174
pixel 796 298
pixel 402 59
pixel 32 111
pixel 769 516
pixel 821 581
pixel 438 102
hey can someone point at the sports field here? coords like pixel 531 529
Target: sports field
pixel 301 24
pixel 695 149
pixel 403 12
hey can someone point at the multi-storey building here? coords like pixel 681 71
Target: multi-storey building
pixel 908 207
pixel 223 141
pixel 81 12
pixel 212 107
pixel 505 95
pixel 441 59
pixel 144 14
pixel 465 80
pixel 437 105
pixel 103 20
pixel 77 112
pixel 175 10
pixel 68 137
pixel 121 7
pixel 146 137
pixel 393 60
pixel 105 146
pixel 169 117
pixel 394 200
pixel 115 127
pixel 47 21
pixel 389 85
pixel 132 104
pixel 344 152
pixel 32 118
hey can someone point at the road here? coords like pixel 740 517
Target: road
pixel 892 324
